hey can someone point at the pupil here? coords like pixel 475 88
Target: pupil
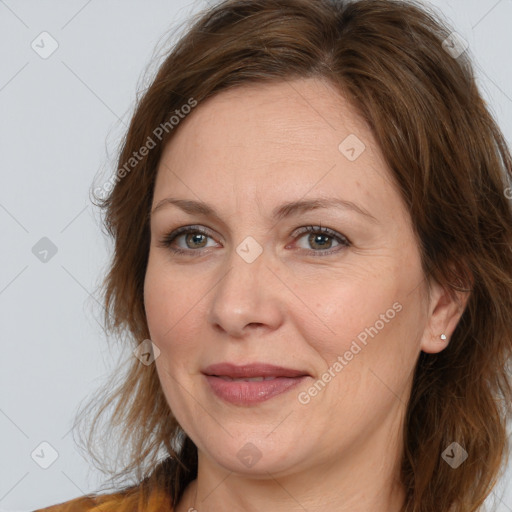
pixel 317 239
pixel 196 238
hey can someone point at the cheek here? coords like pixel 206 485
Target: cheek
pixel 348 311
pixel 156 303
pixel 165 296
pixel 172 307
pixel 372 348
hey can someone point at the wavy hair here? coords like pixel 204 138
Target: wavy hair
pixel 391 59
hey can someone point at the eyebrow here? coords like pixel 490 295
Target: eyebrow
pixel 285 210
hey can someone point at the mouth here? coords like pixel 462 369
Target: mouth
pixel 251 384
pixel 243 379
pixel 261 371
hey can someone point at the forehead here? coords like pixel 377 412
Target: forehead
pixel 262 141
pixel 294 118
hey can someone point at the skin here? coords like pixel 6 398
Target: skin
pixel 245 152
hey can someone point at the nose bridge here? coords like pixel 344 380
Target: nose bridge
pixel 245 293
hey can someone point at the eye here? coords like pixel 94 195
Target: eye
pixel 195 237
pixel 321 239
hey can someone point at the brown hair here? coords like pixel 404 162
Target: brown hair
pixel 451 165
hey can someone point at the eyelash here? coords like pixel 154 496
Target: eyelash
pixel 170 237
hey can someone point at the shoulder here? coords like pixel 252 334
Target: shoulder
pixel 132 501
pixel 153 494
pixel 89 503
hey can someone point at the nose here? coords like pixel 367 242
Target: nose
pixel 247 298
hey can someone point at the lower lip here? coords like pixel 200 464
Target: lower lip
pixel 249 393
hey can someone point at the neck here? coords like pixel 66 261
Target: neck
pixel 283 495
pixel 363 478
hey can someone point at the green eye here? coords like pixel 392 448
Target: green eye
pixel 318 238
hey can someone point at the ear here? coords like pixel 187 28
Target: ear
pixel 444 310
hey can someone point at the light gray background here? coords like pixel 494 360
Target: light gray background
pixel 58 118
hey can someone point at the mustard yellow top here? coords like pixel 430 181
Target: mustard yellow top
pixel 152 494
pixel 127 501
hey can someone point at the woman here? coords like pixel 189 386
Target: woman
pixel 312 260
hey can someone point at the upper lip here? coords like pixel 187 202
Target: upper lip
pixel 251 370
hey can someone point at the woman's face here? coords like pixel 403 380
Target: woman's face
pixel 346 308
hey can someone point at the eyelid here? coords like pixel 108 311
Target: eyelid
pixel 343 241
pixel 320 229
pixel 169 238
pixel 172 235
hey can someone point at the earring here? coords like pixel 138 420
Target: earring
pixel 443 336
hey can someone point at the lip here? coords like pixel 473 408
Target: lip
pixel 247 393
pixel 251 370
pixel 251 393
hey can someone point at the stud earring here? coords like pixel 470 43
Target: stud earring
pixel 443 336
